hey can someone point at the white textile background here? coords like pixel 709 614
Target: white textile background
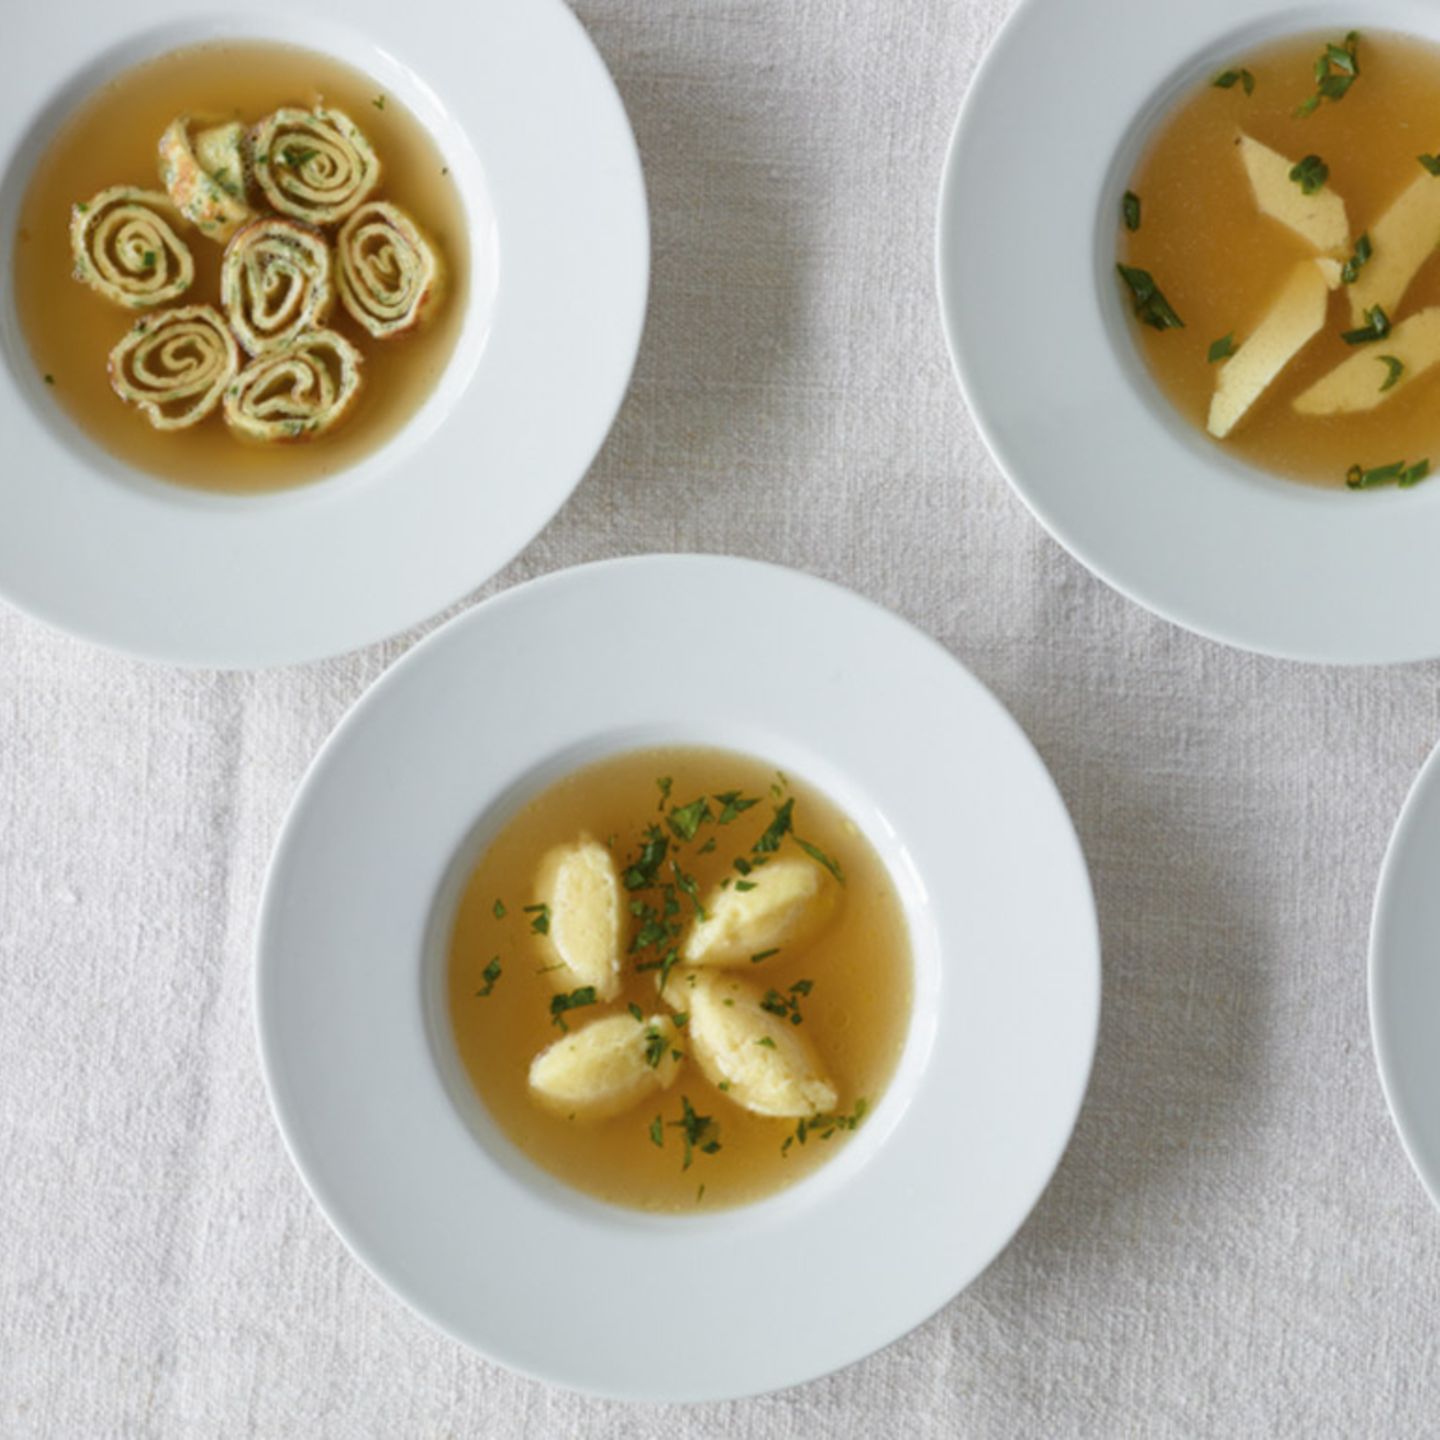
pixel 1234 1243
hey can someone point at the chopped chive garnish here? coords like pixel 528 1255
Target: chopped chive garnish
pixel 540 924
pixel 1336 70
pixel 1151 306
pixel 1430 162
pixel 490 974
pixel 657 1132
pixel 1394 368
pixel 1350 271
pixel 1396 473
pixel 1376 327
pixel 1228 79
pixel 764 955
pixel 1130 210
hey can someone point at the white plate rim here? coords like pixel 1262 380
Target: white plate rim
pixel 533 128
pixel 1075 1035
pixel 1390 979
pixel 1104 465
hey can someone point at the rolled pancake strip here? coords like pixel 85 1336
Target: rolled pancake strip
pixel 175 365
pixel 313 165
pixel 386 268
pixel 275 283
pixel 126 250
pixel 297 392
pixel 210 202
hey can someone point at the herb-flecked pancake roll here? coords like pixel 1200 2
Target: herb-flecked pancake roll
pixel 313 165
pixel 174 366
pixel 388 270
pixel 206 176
pixel 125 248
pixel 275 283
pixel 297 392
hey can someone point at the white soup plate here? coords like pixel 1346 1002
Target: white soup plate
pixel 529 123
pixel 1040 337
pixel 1405 976
pixel 357 1046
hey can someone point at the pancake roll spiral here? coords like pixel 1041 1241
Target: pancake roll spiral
pixel 313 165
pixel 387 270
pixel 296 392
pixel 175 365
pixel 126 249
pixel 275 283
pixel 206 175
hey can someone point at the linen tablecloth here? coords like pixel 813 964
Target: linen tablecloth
pixel 1234 1243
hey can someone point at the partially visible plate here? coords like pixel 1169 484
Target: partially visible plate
pixel 532 129
pixel 1037 330
pixel 356 1042
pixel 1405 976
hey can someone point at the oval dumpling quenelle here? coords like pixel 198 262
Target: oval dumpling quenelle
pixel 313 165
pixel 275 283
pixel 607 1066
pixel 760 1061
pixel 126 249
pixel 785 902
pixel 387 270
pixel 580 887
pixel 304 389
pixel 175 365
pixel 206 176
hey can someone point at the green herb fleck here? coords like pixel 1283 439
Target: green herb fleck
pixel 764 955
pixel 640 875
pixel 378 102
pixel 637 1012
pixel 776 831
pixel 1228 79
pixel 657 1132
pixel 1151 306
pixel 1222 348
pixel 743 885
pixel 498 910
pixel 766 1041
pixel 49 379
pixel 686 820
pixel 559 1004
pixel 821 858
pixel 1430 162
pixel 1394 368
pixel 1336 70
pixel 697 1132
pixel 296 155
pixel 540 925
pixel 1396 473
pixel 654 1047
pixel 1376 327
pixel 1130 210
pixel 1310 174
pixel 490 974
pixel 732 805
pixel 664 782
pixel 1350 271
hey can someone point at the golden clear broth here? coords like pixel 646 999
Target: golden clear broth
pixel 1221 263
pixel 111 140
pixel 856 1015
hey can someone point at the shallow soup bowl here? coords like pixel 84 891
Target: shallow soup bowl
pixel 531 130
pixel 417 1177
pixel 1043 342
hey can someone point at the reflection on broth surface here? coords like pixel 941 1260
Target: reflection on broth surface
pixel 298 267
pixel 678 978
pixel 1286 213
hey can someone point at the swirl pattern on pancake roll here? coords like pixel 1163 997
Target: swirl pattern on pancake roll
pixel 275 283
pixel 387 271
pixel 206 176
pixel 126 250
pixel 313 165
pixel 297 392
pixel 175 365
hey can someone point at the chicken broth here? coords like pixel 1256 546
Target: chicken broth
pixel 670 1123
pixel 111 141
pixel 1324 132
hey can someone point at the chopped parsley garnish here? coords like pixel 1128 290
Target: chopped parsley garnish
pixel 776 831
pixel 490 974
pixel 498 910
pixel 559 1004
pixel 49 378
pixel 654 1047
pixel 640 875
pixel 378 102
pixel 1395 369
pixel 1336 70
pixel 1228 79
pixel 1130 210
pixel 1151 306
pixel 823 1127
pixel 743 885
pixel 686 820
pixel 708 847
pixel 1222 348
pixel 787 1006
pixel 697 1132
pixel 766 1041
pixel 1310 174
pixel 680 1019
pixel 637 1012
pixel 296 155
pixel 1376 327
pixel 657 1132
pixel 540 924
pixel 764 955
pixel 148 260
pixel 732 804
pixel 821 858
pixel 1350 271
pixel 691 890
pixel 1396 473
pixel 664 783
pixel 1430 162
